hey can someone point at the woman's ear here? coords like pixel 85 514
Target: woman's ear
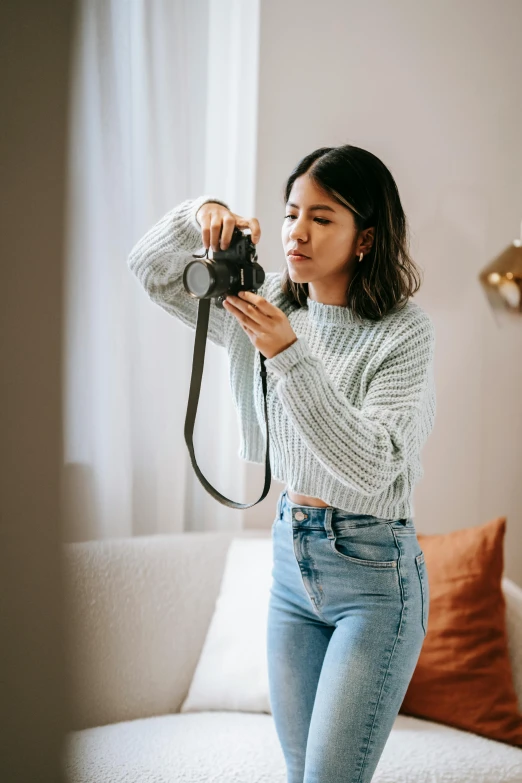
pixel 366 240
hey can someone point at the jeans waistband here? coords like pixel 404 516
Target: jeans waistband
pixel 323 516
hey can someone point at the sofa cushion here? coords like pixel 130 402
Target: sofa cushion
pixel 232 670
pixel 243 747
pixel 463 677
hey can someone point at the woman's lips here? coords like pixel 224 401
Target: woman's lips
pixel 295 257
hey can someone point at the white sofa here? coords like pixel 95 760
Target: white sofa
pixel 138 610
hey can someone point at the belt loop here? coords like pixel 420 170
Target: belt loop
pixel 328 522
pixel 280 504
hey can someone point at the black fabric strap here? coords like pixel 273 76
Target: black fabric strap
pixel 198 360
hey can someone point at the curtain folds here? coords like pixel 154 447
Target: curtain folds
pixel 163 108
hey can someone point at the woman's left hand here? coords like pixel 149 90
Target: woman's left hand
pixel 267 326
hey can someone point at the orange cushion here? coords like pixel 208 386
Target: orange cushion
pixel 463 677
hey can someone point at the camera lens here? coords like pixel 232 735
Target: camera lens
pixel 198 279
pixel 206 279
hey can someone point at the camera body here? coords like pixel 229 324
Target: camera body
pixel 230 271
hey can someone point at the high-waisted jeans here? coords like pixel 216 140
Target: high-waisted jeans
pixel 347 617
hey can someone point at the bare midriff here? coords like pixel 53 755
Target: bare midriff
pixel 304 500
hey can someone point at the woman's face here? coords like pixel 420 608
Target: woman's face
pixel 323 230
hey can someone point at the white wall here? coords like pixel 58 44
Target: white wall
pixel 433 89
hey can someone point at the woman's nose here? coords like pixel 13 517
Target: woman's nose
pixel 296 230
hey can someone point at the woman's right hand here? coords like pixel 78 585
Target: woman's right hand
pixel 218 223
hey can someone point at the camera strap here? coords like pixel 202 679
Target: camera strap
pixel 198 360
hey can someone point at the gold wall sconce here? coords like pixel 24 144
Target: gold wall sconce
pixel 502 282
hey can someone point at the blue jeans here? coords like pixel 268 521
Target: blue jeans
pixel 347 618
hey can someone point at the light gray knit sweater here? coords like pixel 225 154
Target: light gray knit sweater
pixel 350 404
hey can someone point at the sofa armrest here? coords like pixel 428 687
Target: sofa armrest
pixel 513 595
pixel 137 613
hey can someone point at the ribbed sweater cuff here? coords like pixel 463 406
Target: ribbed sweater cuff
pixel 282 362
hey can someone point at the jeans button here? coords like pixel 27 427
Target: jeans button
pixel 299 515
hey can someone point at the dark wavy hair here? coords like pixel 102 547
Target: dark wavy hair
pixel 387 277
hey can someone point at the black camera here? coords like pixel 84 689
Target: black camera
pixel 230 271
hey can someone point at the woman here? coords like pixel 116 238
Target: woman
pixel 351 401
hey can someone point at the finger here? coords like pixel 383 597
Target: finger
pixel 262 304
pixel 249 331
pixel 210 228
pixel 244 317
pixel 215 230
pixel 255 229
pixel 228 229
pixel 205 232
pixel 250 223
pixel 249 310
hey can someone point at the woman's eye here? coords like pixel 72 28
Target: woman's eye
pixel 322 221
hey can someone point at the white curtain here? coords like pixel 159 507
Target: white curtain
pixel 163 108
